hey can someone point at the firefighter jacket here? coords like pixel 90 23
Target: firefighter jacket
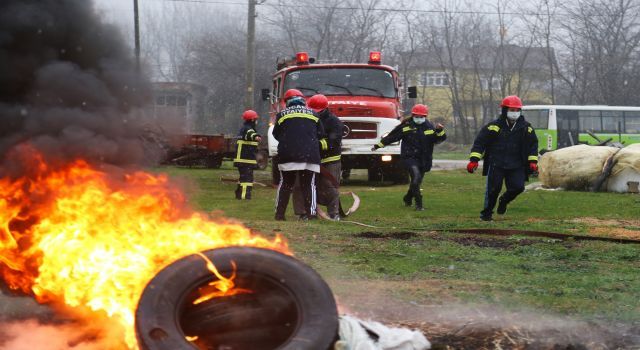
pixel 246 146
pixel 300 135
pixel 504 146
pixel 417 141
pixel 333 129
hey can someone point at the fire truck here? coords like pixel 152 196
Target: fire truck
pixel 365 96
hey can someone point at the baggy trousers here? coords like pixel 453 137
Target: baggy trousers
pixel 514 180
pixel 245 183
pixel 307 180
pixel 328 190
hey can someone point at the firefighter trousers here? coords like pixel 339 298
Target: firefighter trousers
pixel 307 180
pixel 416 173
pixel 245 183
pixel 328 190
pixel 514 180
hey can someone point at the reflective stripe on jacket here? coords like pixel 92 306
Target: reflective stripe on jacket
pixel 246 145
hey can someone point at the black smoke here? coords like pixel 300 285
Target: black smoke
pixel 68 85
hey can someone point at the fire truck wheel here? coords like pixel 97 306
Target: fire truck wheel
pixel 281 304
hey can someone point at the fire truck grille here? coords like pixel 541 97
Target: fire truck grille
pixel 359 130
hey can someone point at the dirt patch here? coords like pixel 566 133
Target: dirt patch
pixel 629 229
pixel 402 235
pixel 609 222
pixel 483 241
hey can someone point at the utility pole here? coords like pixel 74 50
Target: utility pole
pixel 251 52
pixel 136 24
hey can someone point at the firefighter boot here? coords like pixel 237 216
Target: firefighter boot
pixel 407 199
pixel 239 192
pixel 419 203
pixel 502 206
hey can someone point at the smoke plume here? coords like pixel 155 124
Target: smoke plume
pixel 68 85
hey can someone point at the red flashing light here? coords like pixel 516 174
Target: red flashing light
pixel 375 57
pixel 302 58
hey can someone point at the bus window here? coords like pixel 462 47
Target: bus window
pixel 632 122
pixel 611 121
pixel 539 118
pixel 590 121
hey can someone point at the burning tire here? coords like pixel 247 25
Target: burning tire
pixel 289 306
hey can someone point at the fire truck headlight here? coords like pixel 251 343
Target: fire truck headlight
pixel 386 158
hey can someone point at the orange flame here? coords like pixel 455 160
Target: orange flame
pixel 87 238
pixel 221 287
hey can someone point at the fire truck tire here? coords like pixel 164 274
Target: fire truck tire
pixel 289 306
pixel 374 175
pixel 399 176
pixel 214 161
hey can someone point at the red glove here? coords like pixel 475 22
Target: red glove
pixel 472 166
pixel 533 167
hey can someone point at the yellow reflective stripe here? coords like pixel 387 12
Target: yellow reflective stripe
pixel 250 143
pixel 533 158
pixel 324 145
pixel 407 128
pixel 475 154
pixel 246 184
pixel 429 132
pixel 330 159
pixel 529 129
pixel 440 133
pixel 244 191
pixel 248 161
pixel 298 115
pixel 494 128
pixel 239 149
pixel 380 144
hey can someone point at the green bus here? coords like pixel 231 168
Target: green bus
pixel 559 126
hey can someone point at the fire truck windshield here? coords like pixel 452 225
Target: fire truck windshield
pixel 342 81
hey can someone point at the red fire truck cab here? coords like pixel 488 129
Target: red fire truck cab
pixel 365 96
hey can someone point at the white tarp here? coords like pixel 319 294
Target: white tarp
pixel 355 335
pixel 579 167
pixel 626 169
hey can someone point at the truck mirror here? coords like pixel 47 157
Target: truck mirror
pixel 265 93
pixel 412 91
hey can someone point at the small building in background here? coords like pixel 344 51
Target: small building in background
pixel 180 108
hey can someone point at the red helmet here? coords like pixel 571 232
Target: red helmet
pixel 292 93
pixel 318 102
pixel 249 115
pixel 512 101
pixel 420 109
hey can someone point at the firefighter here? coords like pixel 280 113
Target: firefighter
pixel 330 165
pixel 246 149
pixel 509 147
pixel 300 137
pixel 418 137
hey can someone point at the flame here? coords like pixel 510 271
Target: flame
pixel 87 238
pixel 221 287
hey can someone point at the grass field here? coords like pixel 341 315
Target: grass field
pixel 404 261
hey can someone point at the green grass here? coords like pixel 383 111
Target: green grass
pixel 584 279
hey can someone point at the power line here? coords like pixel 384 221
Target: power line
pixel 383 9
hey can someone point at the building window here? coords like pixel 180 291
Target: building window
pixel 490 83
pixel 434 79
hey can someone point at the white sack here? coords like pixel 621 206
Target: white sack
pixel 575 167
pixel 354 336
